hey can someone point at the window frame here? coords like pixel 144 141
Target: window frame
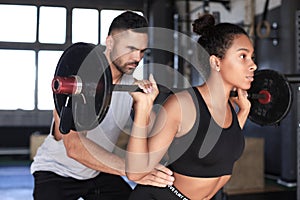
pixel 41 118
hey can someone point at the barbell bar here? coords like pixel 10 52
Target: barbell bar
pixel 73 86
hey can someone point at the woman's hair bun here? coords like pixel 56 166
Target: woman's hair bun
pixel 203 24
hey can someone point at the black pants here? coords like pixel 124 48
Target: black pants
pixel 50 186
pixel 142 192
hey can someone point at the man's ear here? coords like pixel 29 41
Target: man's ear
pixel 214 63
pixel 109 42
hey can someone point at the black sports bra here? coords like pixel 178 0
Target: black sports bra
pixel 206 150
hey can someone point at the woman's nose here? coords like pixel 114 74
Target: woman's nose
pixel 253 67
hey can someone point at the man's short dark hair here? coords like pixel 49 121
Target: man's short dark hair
pixel 128 20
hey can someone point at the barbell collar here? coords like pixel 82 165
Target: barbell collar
pixel 67 85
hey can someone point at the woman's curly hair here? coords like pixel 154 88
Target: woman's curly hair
pixel 216 39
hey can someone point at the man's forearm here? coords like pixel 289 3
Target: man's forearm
pixel 94 156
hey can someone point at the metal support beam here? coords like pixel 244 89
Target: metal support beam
pixel 225 3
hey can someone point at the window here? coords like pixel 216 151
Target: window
pixel 18 23
pixel 32 39
pixel 52 27
pixel 85 25
pixel 17 80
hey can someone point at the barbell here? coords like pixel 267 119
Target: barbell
pixel 82 89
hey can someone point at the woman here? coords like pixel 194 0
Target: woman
pixel 198 128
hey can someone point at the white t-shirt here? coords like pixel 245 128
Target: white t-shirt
pixel 51 155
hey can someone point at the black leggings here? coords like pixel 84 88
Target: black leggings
pixel 50 186
pixel 156 193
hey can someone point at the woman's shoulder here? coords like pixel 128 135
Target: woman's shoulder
pixel 181 99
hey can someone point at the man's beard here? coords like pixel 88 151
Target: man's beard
pixel 122 68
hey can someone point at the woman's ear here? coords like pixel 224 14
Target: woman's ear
pixel 214 63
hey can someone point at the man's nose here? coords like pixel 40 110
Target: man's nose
pixel 137 55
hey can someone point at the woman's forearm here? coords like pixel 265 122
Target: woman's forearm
pixel 137 148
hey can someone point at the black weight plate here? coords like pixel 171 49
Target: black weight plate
pixel 281 97
pixel 97 89
pixel 68 65
pixel 89 63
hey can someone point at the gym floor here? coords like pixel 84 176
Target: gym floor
pixel 16 183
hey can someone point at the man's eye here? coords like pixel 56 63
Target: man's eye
pixel 132 49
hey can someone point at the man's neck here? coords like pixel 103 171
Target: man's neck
pixel 115 73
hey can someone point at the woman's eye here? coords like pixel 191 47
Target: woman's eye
pixel 243 56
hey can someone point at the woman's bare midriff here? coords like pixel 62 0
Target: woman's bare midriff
pixel 196 188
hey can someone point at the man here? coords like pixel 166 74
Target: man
pixel 81 165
